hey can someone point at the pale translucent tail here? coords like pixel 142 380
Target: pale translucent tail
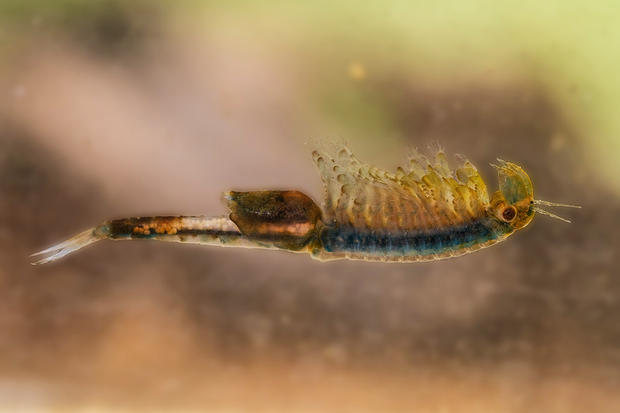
pixel 80 241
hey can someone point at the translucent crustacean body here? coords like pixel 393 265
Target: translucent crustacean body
pixel 423 212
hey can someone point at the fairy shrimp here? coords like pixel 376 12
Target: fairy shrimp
pixel 424 211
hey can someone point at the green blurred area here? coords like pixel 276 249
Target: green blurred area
pixel 571 49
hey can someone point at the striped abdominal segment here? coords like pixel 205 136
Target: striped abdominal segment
pixel 410 245
pixel 202 230
pixel 169 226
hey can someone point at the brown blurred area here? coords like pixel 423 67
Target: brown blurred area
pixel 131 109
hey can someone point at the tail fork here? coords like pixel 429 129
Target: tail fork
pixel 71 245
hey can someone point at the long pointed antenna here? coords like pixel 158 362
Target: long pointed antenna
pixel 549 214
pixel 553 204
pixel 547 203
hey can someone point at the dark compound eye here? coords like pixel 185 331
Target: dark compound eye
pixel 509 213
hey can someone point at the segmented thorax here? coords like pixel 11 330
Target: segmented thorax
pixel 423 208
pixel 425 195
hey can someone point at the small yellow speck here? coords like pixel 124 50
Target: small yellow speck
pixel 357 71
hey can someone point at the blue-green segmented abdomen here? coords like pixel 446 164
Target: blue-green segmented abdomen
pixel 416 245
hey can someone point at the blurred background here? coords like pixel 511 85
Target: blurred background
pixel 120 108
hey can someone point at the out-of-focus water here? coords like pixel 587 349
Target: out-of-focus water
pixel 115 109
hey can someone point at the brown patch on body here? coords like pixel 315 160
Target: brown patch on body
pixel 298 229
pixel 156 227
pixel 145 226
pixel 288 219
